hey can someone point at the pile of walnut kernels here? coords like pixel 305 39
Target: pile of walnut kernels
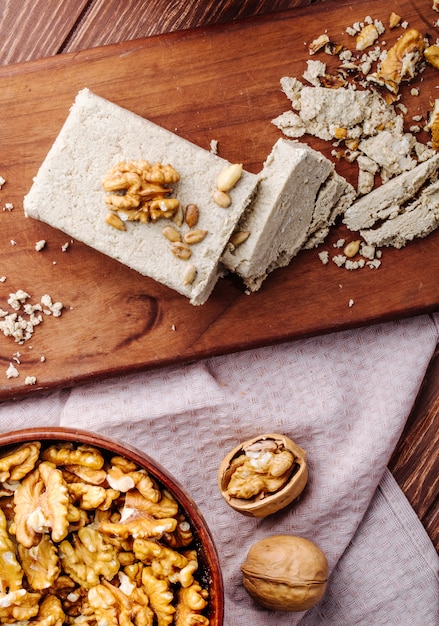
pixel 90 540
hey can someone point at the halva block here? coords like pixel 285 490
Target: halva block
pixel 67 193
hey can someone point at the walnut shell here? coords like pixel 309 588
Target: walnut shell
pixel 285 573
pixel 265 503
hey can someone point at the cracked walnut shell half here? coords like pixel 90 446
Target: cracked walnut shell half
pixel 263 475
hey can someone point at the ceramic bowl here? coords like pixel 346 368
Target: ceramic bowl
pixel 209 572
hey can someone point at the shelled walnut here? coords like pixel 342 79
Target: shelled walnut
pixel 402 61
pixel 263 475
pixel 139 191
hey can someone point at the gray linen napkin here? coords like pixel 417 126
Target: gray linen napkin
pixel 344 398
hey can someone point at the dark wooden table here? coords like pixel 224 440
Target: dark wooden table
pixel 33 29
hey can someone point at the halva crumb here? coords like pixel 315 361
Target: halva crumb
pixel 12 371
pixel 25 316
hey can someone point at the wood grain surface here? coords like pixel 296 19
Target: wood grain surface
pixel 118 321
pixel 33 29
pixel 41 28
pixel 415 461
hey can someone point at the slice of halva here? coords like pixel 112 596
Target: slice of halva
pixel 419 219
pixel 334 196
pixel 401 210
pixel 67 193
pixel 280 216
pixel 388 200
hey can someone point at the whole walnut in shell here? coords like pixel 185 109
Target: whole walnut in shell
pixel 285 573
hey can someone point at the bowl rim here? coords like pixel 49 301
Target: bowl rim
pixel 162 475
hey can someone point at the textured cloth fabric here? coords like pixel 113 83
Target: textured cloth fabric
pixel 344 398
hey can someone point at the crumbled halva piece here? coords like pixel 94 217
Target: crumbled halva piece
pixel 339 260
pixel 401 210
pixel 416 219
pixel 40 245
pixel 367 251
pixel 30 380
pixel 18 298
pixel 367 168
pixel 335 195
pixel 322 111
pixel 393 152
pixel 14 325
pixel 314 70
pixel 20 328
pixel 354 265
pixel 12 371
pixel 52 308
pixel 324 257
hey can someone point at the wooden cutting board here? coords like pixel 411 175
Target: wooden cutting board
pixel 221 84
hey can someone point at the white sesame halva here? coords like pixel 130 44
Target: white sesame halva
pixel 281 217
pixel 401 210
pixel 418 219
pixel 67 192
pixel 388 200
pixel 321 111
pixel 334 196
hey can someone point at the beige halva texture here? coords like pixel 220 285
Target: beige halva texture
pixel 299 196
pixel 288 207
pixel 67 192
pixel 406 206
pixel 402 209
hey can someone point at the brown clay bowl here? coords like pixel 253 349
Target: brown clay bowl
pixel 209 573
